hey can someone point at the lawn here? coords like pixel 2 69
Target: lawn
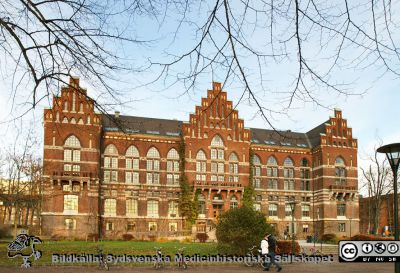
pixel 109 247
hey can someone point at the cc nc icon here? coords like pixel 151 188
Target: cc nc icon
pixel 349 251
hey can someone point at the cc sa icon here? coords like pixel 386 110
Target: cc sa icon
pixel 349 251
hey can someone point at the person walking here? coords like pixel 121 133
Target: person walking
pixel 271 240
pixel 264 251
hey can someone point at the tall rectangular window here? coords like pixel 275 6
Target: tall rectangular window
pixel 172 208
pixel 67 155
pixel 272 210
pixel 131 207
pixel 110 207
pixel 107 176
pixel 341 209
pixel 305 210
pixel 288 210
pixel 70 204
pixel 132 177
pixel 152 208
pixel 272 184
pixel 76 156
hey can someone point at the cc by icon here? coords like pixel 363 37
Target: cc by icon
pixel 349 251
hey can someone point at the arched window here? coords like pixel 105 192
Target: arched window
pixel 153 166
pixel 72 141
pixel 233 168
pixel 111 150
pixel 272 172
pixel 217 159
pixel 217 141
pixel 132 152
pixel 132 165
pixel 272 161
pixel 256 160
pixel 110 164
pixel 72 154
pixel 201 166
pixel 339 161
pixel 173 167
pixel 340 171
pixel 288 174
pixel 288 162
pixel 256 171
pixel 305 175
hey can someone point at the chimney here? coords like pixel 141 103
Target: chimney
pixel 74 81
pixel 338 113
pixel 216 86
pixel 116 114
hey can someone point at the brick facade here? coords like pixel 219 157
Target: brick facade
pixel 111 176
pixel 367 215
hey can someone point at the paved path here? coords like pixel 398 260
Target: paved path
pixel 297 268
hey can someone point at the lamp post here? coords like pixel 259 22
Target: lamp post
pixel 292 207
pixel 392 152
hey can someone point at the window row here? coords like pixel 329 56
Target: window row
pixel 70 224
pixel 289 162
pixel 287 184
pixel 287 172
pixel 133 177
pixel 133 152
pixel 110 208
pixel 152 226
pixel 151 164
pixel 273 210
pixel 272 161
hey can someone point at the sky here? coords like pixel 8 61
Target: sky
pixel 372 111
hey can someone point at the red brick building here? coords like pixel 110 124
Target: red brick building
pixel 384 215
pixel 120 175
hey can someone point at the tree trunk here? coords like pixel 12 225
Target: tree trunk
pixel 26 216
pixel 31 216
pixel 16 218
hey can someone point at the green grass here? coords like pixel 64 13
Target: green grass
pixel 109 247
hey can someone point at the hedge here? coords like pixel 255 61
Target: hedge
pixel 285 247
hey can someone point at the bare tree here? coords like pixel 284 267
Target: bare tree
pixel 247 40
pixel 48 41
pixel 22 176
pixel 378 183
pixel 244 41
